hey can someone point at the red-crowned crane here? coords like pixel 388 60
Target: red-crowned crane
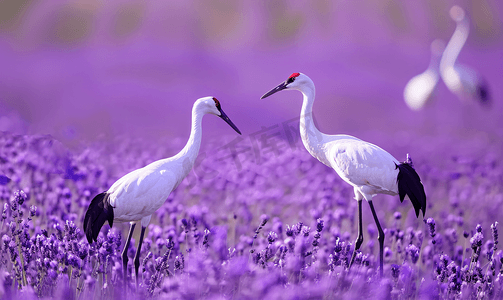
pixel 365 166
pixel 461 80
pixel 137 195
pixel 420 88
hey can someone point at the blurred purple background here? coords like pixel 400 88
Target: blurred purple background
pixel 80 70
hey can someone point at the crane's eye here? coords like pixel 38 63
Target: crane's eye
pixel 292 78
pixel 217 103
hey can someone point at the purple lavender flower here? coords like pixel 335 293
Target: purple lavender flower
pixel 179 262
pixel 298 228
pixel 20 197
pixel 476 240
pixel 6 240
pixel 33 211
pixel 4 212
pixel 454 279
pixel 413 252
pixel 82 249
pixel 281 254
pixel 431 226
pixel 12 227
pixel 72 260
pixel 271 237
pixel 289 231
pixel 264 219
pixel 53 264
pixel 305 231
pixel 395 271
pixel 494 231
pixel 205 238
pixel 319 225
pixel 185 224
pixel 14 204
pixel 146 259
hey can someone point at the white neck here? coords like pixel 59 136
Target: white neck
pixel 455 44
pixel 191 149
pixel 312 138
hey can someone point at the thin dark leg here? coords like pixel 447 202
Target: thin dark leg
pixel 124 252
pixel 137 255
pixel 380 237
pixel 359 239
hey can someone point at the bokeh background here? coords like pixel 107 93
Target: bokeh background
pixel 84 70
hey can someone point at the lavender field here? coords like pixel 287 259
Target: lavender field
pixel 91 91
pixel 278 225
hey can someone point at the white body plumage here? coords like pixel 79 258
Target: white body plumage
pixel 367 167
pixel 137 195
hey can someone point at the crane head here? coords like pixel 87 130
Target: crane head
pixel 294 82
pixel 457 13
pixel 210 105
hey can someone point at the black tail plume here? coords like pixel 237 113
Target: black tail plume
pixel 482 91
pixel 410 184
pixel 97 213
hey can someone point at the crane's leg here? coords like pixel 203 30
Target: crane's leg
pixel 137 255
pixel 359 239
pixel 124 252
pixel 380 237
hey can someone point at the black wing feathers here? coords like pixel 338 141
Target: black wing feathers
pixel 410 184
pixel 97 213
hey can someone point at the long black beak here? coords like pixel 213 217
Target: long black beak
pixel 226 119
pixel 280 87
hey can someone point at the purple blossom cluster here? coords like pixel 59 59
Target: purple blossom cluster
pixel 281 227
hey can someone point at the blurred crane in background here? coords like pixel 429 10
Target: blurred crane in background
pixel 420 89
pixel 461 80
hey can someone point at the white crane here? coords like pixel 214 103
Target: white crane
pixel 368 168
pixel 137 195
pixel 420 88
pixel 461 80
